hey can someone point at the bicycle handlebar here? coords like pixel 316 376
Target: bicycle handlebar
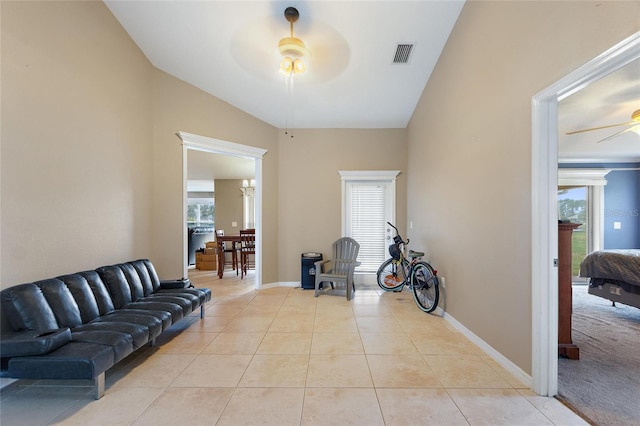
pixel 398 234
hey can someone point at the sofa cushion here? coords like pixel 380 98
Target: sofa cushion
pixel 120 343
pixel 138 332
pixel 203 295
pixel 100 291
pixel 27 343
pixel 143 274
pixel 175 310
pixel 185 304
pixel 133 279
pixel 153 324
pixel 117 284
pixel 83 295
pixel 164 316
pixel 61 301
pixel 75 360
pixel 153 275
pixel 26 308
pixel 193 298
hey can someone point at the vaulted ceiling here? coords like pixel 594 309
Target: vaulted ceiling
pixel 229 49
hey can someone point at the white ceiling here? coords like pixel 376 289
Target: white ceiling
pixel 228 49
pixel 610 100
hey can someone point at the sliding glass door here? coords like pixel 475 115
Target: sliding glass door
pixel 573 205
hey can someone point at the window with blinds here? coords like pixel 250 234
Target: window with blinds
pixel 367 216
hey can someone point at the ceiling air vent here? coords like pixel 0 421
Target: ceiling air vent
pixel 403 52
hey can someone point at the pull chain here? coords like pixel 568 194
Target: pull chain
pixel 289 107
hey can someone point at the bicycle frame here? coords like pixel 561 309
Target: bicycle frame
pixel 419 275
pixel 402 255
pixel 409 270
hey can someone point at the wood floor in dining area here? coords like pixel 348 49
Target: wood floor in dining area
pixel 281 356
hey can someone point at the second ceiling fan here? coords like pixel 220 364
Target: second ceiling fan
pixel 632 125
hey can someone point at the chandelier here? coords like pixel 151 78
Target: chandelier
pixel 292 49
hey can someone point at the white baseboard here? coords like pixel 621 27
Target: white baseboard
pixel 519 373
pixel 282 284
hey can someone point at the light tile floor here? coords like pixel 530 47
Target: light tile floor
pixel 280 356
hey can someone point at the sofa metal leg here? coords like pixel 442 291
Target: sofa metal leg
pixel 202 311
pixel 99 386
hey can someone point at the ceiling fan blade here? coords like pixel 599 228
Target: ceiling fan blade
pixel 601 127
pixel 615 134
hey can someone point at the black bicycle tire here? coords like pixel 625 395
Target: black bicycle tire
pixel 381 270
pixel 431 294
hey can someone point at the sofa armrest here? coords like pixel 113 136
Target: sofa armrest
pixel 172 284
pixel 28 343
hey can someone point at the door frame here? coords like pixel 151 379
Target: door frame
pixel 389 177
pixel 217 146
pixel 544 213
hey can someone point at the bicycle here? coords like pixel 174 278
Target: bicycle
pixel 396 272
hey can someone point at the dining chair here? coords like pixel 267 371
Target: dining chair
pixel 247 248
pixel 227 248
pixel 340 268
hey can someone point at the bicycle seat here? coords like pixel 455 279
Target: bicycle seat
pixel 414 254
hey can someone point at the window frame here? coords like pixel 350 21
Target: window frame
pixel 595 181
pixel 387 177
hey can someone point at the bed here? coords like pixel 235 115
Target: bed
pixel 614 275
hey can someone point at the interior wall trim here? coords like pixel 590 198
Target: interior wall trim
pixel 544 206
pixel 217 146
pixel 207 144
pixel 503 361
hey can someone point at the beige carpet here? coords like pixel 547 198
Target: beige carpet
pixel 604 384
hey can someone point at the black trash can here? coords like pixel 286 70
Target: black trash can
pixel 308 279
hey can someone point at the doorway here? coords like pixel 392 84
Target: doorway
pixel 216 146
pixel 544 215
pixel 368 203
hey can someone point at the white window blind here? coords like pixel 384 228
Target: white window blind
pixel 367 220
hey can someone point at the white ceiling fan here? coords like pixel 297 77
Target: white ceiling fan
pixel 261 45
pixel 633 125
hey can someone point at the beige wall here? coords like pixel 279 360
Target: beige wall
pixel 228 205
pixel 469 144
pixel 179 106
pixel 76 141
pixel 310 186
pixel 91 166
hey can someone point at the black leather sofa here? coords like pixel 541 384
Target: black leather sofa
pixel 78 326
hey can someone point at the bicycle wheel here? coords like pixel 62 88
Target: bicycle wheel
pixel 426 291
pixel 391 275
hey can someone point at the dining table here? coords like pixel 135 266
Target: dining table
pixel 235 241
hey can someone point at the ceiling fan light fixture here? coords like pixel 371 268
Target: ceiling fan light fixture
pixel 292 46
pixel 292 49
pixel 299 66
pixel 635 116
pixel 286 65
